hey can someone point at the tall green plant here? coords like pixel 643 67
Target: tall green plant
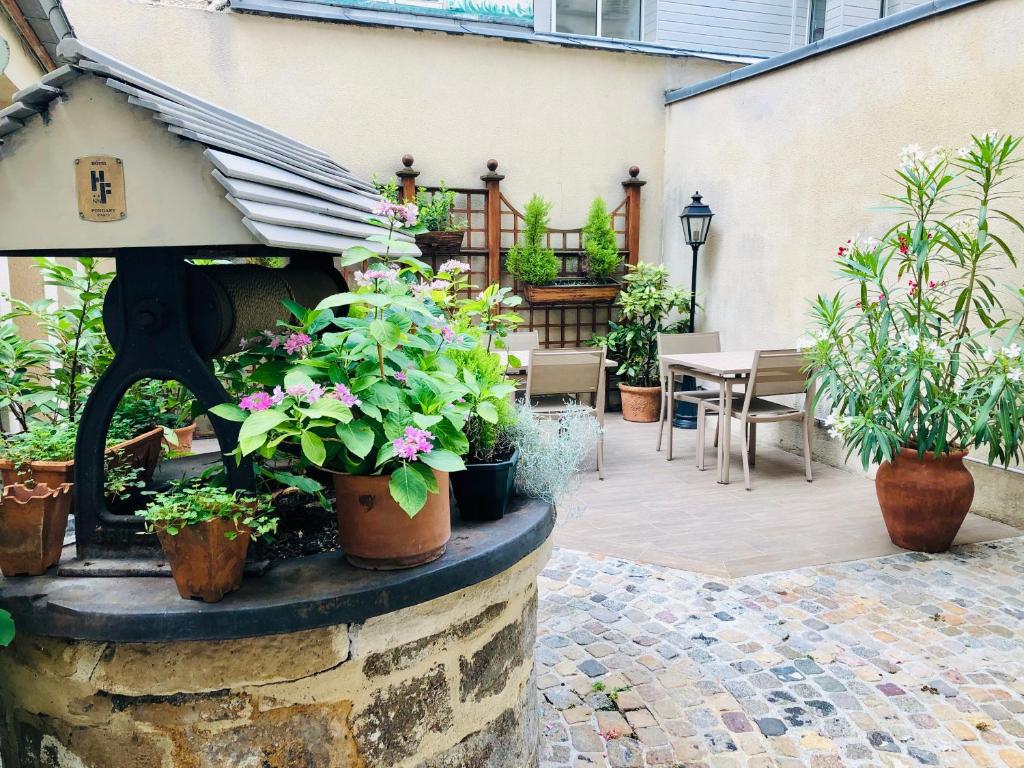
pixel 648 304
pixel 529 260
pixel 916 349
pixel 599 242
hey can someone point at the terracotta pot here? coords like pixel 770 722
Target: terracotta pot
pixel 204 562
pixel 924 501
pixel 32 525
pixel 640 403
pixel 377 534
pixel 142 451
pixel 184 435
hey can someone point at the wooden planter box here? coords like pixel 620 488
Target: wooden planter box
pixel 142 451
pixel 572 290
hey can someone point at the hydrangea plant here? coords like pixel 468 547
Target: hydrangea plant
pixel 916 349
pixel 370 392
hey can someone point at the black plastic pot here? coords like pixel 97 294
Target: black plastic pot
pixel 482 491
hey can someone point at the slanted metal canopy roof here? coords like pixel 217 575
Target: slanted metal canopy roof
pixel 290 194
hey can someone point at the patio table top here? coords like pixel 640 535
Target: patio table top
pixel 715 363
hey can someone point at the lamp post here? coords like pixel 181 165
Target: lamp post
pixel 696 221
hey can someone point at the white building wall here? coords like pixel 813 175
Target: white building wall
pixel 760 27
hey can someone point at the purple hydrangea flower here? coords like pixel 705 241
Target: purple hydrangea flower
pixel 454 266
pixel 413 443
pixel 344 394
pixel 297 342
pixel 257 401
pixel 278 397
pixel 401 376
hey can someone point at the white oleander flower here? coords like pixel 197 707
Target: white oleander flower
pixel 938 351
pixel 913 340
pixel 965 226
pixel 1012 352
pixel 910 156
pixel 1015 374
pixel 963 153
pixel 988 356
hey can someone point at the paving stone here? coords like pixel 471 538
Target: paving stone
pixel 592 668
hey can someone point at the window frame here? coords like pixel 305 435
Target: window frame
pixel 811 20
pixel 599 11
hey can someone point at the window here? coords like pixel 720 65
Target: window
pixel 816 27
pixel 603 18
pixel 883 9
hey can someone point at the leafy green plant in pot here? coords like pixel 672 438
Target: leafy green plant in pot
pixel 205 534
pixel 602 250
pixel 373 398
pixel 915 355
pixel 649 305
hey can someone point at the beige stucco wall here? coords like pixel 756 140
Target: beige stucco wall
pixel 171 197
pixel 791 161
pixel 21 70
pixel 561 122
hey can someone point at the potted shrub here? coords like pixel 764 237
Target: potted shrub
pixel 915 355
pixel 205 534
pixel 370 397
pixel 602 251
pixel 648 305
pixel 444 234
pixel 33 519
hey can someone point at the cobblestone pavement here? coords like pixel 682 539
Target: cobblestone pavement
pixel 903 660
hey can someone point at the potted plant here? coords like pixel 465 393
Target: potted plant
pixel 444 234
pixel 648 304
pixel 205 533
pixel 371 397
pixel 602 251
pixel 33 519
pixel 176 415
pixel 915 355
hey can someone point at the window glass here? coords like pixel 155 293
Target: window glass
pixel 621 19
pixel 817 25
pixel 577 17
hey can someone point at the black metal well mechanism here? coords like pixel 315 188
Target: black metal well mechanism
pixel 168 319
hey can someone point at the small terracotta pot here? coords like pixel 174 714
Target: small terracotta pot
pixel 641 404
pixel 204 562
pixel 184 435
pixel 924 500
pixel 375 531
pixel 32 525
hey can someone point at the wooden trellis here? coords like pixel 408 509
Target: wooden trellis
pixel 494 225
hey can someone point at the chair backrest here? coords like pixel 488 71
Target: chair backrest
pixel 778 372
pixel 686 344
pixel 522 340
pixel 565 371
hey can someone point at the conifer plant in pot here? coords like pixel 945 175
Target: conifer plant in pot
pixel 915 354
pixel 649 306
pixel 205 534
pixel 362 387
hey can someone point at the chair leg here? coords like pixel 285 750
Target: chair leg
pixel 661 420
pixel 671 431
pixel 600 458
pixel 702 417
pixel 807 447
pixel 752 450
pixel 746 457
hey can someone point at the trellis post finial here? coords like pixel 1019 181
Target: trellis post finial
pixel 407 178
pixel 492 183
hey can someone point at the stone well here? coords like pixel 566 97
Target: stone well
pixel 444 682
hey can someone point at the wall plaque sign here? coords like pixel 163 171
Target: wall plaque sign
pixel 99 181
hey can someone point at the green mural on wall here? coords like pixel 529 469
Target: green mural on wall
pixel 5 55
pixel 507 11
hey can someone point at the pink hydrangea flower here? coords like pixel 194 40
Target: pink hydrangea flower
pixel 403 215
pixel 454 266
pixel 273 340
pixel 297 390
pixel 370 276
pixel 314 394
pixel 401 376
pixel 439 285
pixel 413 443
pixel 278 397
pixel 448 334
pixel 297 342
pixel 345 396
pixel 257 401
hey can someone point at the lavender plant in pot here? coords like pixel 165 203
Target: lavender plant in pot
pixel 372 397
pixel 915 354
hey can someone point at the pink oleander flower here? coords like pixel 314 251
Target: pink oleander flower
pixel 401 376
pixel 278 396
pixel 370 276
pixel 454 266
pixel 297 342
pixel 413 443
pixel 345 396
pixel 257 401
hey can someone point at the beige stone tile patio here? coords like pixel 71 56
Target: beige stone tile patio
pixel 669 513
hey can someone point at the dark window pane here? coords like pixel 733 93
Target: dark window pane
pixel 577 17
pixel 817 25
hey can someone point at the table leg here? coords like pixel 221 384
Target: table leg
pixel 724 432
pixel 671 409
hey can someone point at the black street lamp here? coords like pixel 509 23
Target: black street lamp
pixel 696 220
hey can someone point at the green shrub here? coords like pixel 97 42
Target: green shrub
pixel 529 260
pixel 599 242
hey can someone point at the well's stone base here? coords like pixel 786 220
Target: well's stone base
pixel 445 684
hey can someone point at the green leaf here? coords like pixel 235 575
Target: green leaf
pixel 313 448
pixel 487 411
pixel 228 412
pixel 355 255
pixel 428 475
pixel 409 489
pixel 261 422
pixel 297 378
pixel 385 333
pixel 358 437
pixel 442 460
pixel 6 628
pixel 423 421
